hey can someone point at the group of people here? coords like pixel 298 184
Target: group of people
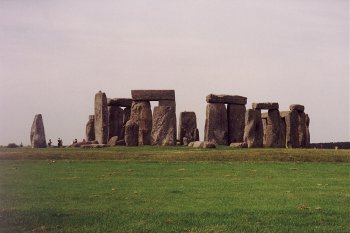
pixel 59 142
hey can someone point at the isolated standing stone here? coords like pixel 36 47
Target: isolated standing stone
pixel 131 133
pixel 90 129
pixel 141 113
pixel 253 131
pixel 235 118
pixel 188 127
pixel 37 133
pixel 274 136
pixel 164 126
pixel 216 127
pixel 101 118
pixel 115 120
pixel 292 134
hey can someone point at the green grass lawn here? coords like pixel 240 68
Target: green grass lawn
pixel 149 190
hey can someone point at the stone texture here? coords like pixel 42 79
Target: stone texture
pixel 37 133
pixel 198 144
pixel 236 122
pixel 171 103
pixel 90 129
pixel 115 122
pixel 131 133
pixel 239 145
pixel 274 137
pixel 191 144
pixel 298 107
pixel 141 113
pixel 188 127
pixel 253 131
pixel 302 130
pixel 226 99
pixel 209 145
pixel 307 131
pixel 292 134
pixel 267 106
pixel 216 126
pixel 120 102
pixel 152 95
pixel 113 141
pixel 101 118
pixel 164 126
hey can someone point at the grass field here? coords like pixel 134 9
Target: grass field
pixel 174 190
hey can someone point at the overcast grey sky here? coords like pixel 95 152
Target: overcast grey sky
pixel 55 55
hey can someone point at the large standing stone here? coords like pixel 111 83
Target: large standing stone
pixel 164 126
pixel 90 129
pixel 101 118
pixel 115 121
pixel 302 130
pixel 37 133
pixel 226 99
pixel 307 131
pixel 131 133
pixel 216 127
pixel 152 95
pixel 274 136
pixel 292 134
pixel 141 113
pixel 235 118
pixel 188 127
pixel 253 131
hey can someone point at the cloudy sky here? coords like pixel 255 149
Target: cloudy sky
pixel 55 55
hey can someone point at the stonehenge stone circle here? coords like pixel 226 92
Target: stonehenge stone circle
pixel 115 120
pixel 267 106
pixel 216 126
pixel 188 127
pixel 141 114
pixel 37 133
pixel 236 122
pixel 302 130
pixel 273 135
pixel 120 102
pixel 253 131
pixel 292 124
pixel 164 126
pixel 90 129
pixel 226 99
pixel 131 133
pixel 101 118
pixel 152 95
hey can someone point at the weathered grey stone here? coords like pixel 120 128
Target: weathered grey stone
pixel 141 113
pixel 236 119
pixel 113 141
pixel 115 122
pixel 101 118
pixel 298 107
pixel 120 143
pixel 226 99
pixel 264 123
pixel 209 145
pixel 191 144
pixel 198 144
pixel 152 95
pixel 37 133
pixel 90 129
pixel 131 133
pixel 267 106
pixel 184 141
pixel 239 145
pixel 253 131
pixel 274 136
pixel 87 146
pixel 292 134
pixel 164 126
pixel 307 131
pixel 302 130
pixel 216 127
pixel 170 103
pixel 283 114
pixel 188 127
pixel 120 102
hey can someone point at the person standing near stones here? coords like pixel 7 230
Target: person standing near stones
pixel 59 142
pixel 49 143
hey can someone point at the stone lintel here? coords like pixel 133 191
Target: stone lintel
pixel 298 107
pixel 267 106
pixel 152 95
pixel 120 102
pixel 226 99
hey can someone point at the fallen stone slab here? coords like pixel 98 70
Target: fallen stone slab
pixel 87 146
pixel 298 107
pixel 113 141
pixel 239 145
pixel 267 106
pixel 120 102
pixel 209 145
pixel 226 99
pixel 152 95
